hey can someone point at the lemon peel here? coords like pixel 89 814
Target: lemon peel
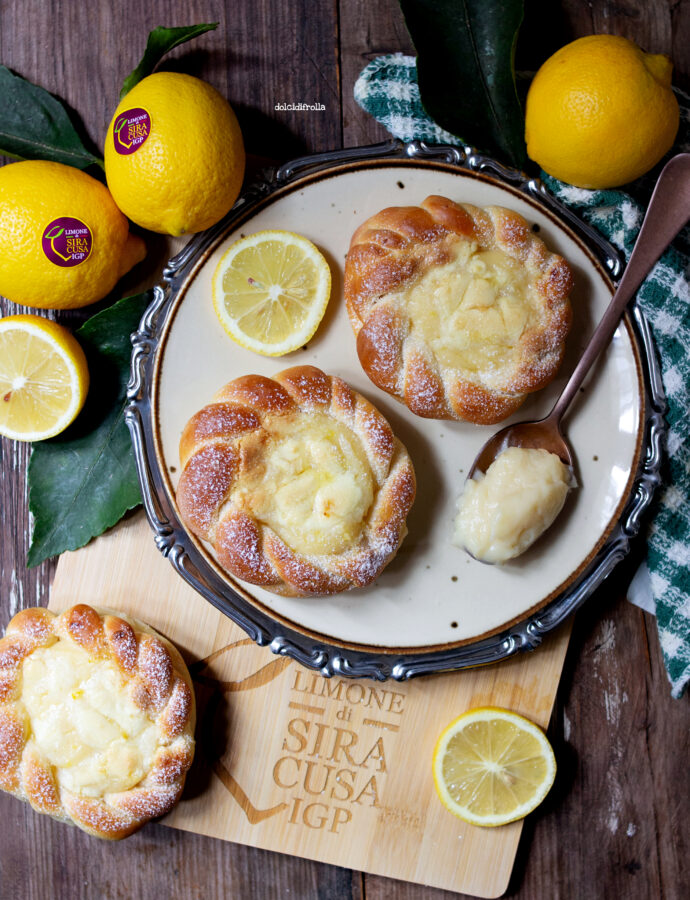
pixel 63 242
pixel 601 112
pixel 174 156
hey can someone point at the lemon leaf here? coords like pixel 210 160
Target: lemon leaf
pixel 465 52
pixel 35 125
pixel 160 41
pixel 84 480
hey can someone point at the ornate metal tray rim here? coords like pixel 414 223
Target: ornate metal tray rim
pixel 330 659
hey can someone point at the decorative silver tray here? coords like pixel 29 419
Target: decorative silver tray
pixel 273 628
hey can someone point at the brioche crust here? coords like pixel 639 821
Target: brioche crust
pixel 233 493
pixel 476 353
pixel 154 688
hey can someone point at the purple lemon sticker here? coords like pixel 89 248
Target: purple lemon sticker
pixel 130 130
pixel 67 241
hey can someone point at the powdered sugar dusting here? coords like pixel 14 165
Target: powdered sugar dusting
pixel 12 651
pixel 83 625
pixel 223 419
pixel 147 802
pixel 380 347
pixel 41 787
pixel 11 746
pixel 378 438
pixel 424 392
pixel 175 716
pixel 246 545
pixel 171 763
pixel 124 643
pixel 205 483
pixel 95 815
pixel 156 670
pixel 36 625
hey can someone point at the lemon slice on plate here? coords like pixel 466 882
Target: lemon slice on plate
pixel 44 378
pixel 492 766
pixel 270 291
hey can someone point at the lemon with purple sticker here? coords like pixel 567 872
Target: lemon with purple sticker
pixel 174 156
pixel 271 290
pixel 63 241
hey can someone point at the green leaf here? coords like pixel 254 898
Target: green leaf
pixel 83 481
pixel 465 66
pixel 160 41
pixel 35 125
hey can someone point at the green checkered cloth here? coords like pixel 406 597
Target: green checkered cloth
pixel 388 90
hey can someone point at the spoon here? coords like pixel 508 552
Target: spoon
pixel 669 210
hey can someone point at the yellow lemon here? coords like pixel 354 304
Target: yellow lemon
pixel 492 766
pixel 44 378
pixel 63 241
pixel 270 291
pixel 174 156
pixel 601 112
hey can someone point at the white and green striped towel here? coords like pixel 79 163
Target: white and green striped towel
pixel 388 90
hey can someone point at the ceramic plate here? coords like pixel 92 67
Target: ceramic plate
pixel 433 606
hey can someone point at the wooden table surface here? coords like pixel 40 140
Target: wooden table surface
pixel 615 824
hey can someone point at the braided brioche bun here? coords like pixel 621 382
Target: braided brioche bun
pixel 458 311
pixel 97 719
pixel 297 481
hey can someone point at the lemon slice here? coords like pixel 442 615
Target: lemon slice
pixel 270 291
pixel 492 766
pixel 43 378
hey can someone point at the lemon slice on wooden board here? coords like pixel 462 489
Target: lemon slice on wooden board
pixel 270 291
pixel 492 766
pixel 44 378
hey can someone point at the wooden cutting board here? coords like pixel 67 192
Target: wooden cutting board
pixel 332 770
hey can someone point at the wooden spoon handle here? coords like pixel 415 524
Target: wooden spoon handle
pixel 668 211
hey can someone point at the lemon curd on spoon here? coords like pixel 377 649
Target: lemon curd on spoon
pixel 503 513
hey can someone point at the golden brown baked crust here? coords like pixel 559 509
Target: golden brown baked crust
pixel 225 442
pixel 157 681
pixel 391 251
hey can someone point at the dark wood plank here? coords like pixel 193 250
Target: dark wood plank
pixel 367 30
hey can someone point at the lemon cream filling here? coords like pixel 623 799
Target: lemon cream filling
pixel 83 721
pixel 472 310
pixel 311 483
pixel 518 498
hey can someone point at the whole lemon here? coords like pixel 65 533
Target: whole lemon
pixel 601 112
pixel 63 241
pixel 174 156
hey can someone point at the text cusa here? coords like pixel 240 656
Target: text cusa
pixel 336 764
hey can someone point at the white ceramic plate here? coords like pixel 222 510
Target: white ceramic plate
pixel 432 594
pixel 433 608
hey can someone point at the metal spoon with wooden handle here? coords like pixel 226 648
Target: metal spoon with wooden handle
pixel 669 210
